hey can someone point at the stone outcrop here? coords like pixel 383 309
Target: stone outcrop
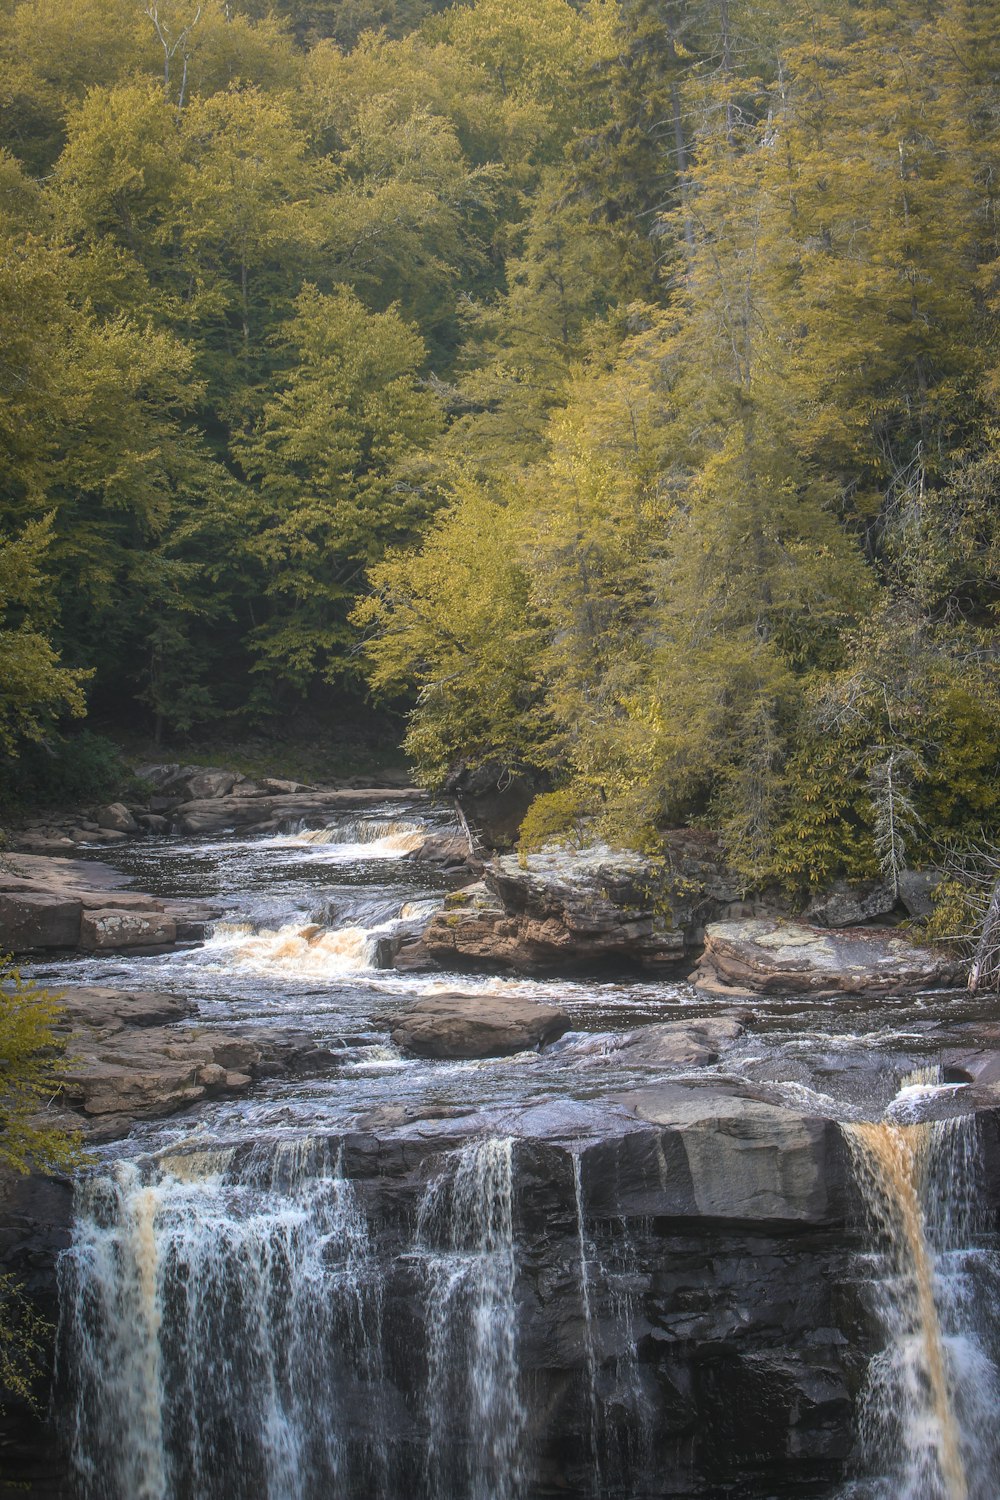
pixel 564 909
pixel 857 903
pixel 116 929
pixel 52 903
pixel 133 1055
pixel 773 957
pixel 261 811
pixel 463 1026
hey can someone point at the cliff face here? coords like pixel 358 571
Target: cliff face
pixel 656 1295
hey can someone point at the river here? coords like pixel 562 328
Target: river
pixel 419 1280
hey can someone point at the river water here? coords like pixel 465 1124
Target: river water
pixel 233 1321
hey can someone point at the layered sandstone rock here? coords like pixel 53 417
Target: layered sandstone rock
pixel 771 956
pixel 51 903
pixel 572 908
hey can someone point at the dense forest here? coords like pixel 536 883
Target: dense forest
pixel 616 383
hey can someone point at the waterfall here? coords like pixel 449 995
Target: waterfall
pixel 303 949
pixel 383 838
pixel 619 1410
pixel 590 1349
pixel 927 1428
pixel 222 1336
pixel 465 1243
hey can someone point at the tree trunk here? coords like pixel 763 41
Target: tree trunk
pixel 988 947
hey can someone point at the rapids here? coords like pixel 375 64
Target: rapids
pixel 248 1312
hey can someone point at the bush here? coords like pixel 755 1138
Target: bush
pixel 67 771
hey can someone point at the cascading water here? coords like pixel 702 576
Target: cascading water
pixel 928 1407
pixel 221 1330
pixel 388 839
pixel 475 1412
pixel 590 1349
pixel 305 949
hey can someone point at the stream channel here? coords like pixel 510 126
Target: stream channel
pixel 581 1272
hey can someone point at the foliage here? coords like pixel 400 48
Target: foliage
pixel 65 770
pixel 30 1052
pixel 643 357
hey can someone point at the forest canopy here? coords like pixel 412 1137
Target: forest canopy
pixel 616 383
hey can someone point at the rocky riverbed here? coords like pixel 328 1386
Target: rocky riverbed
pixel 521 1225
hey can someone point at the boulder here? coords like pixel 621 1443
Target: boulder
pixel 113 928
pixel 38 919
pixel 688 1044
pixel 154 823
pixel 852 904
pixel 209 784
pixel 772 957
pixel 463 1026
pixel 116 818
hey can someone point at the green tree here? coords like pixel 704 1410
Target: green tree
pixel 331 488
pixel 34 688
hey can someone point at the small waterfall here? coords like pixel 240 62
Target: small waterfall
pixel 619 1411
pixel 590 1348
pixel 221 1337
pixel 304 949
pixel 930 1398
pixel 383 838
pixel 465 1242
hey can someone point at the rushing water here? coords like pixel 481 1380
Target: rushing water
pixel 931 1399
pixel 242 1317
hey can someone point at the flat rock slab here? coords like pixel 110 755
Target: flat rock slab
pixel 688 1044
pixel 76 903
pixel 38 919
pixel 466 1026
pixel 108 928
pixel 110 1010
pixel 770 956
pixel 153 1071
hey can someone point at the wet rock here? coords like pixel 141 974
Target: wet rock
pixel 971 1065
pixel 463 1026
pixel 450 851
pixel 772 956
pixel 145 1073
pixel 679 1043
pixel 116 818
pixel 108 1010
pixel 729 1157
pixel 251 814
pixel 116 928
pixel 38 919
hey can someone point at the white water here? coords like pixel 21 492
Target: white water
pixel 224 1312
pixel 362 838
pixel 928 1409
pixel 219 1326
pixel 465 1241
